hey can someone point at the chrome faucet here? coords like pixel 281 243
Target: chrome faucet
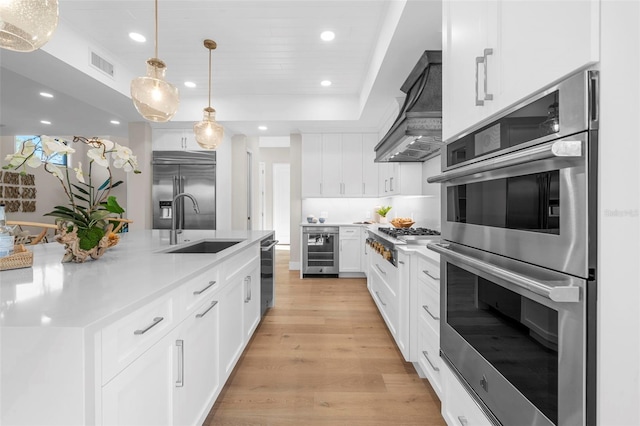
pixel 173 234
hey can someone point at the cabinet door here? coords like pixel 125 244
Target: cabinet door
pixel 332 165
pixel 352 165
pixel 232 332
pixel 197 381
pixel 251 302
pixel 384 171
pixel 142 393
pixel 405 286
pixel 540 46
pixel 190 140
pixel 169 140
pixel 311 165
pixel 369 166
pixel 350 249
pixel 470 28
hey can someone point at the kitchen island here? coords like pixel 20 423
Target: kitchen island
pixel 133 337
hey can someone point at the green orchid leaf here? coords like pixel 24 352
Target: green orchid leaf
pixel 113 206
pixel 105 184
pixel 78 197
pixel 116 184
pixel 81 189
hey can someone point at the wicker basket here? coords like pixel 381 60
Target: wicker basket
pixel 21 258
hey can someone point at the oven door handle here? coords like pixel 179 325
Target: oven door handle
pixel 555 293
pixel 553 149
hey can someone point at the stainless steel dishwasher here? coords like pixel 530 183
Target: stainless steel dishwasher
pixel 267 272
pixel 320 255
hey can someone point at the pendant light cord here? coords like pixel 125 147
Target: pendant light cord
pixel 156 47
pixel 209 78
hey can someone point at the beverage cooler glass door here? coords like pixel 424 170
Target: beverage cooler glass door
pixel 320 254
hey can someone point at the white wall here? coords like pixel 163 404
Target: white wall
pixel 618 276
pixel 269 156
pixel 295 155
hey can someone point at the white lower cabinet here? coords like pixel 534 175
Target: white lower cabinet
pixel 142 394
pixel 350 249
pixel 458 408
pixel 166 363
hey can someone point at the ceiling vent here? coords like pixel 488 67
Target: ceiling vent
pixel 102 64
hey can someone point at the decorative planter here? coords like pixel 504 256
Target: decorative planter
pixel 71 241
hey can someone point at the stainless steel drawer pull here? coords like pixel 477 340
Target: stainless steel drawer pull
pixel 426 355
pixel 180 381
pixel 201 314
pixel 479 60
pixel 155 322
pixel 380 269
pixel 487 96
pixel 463 420
pixel 198 292
pixel 431 276
pixel 380 299
pixel 401 262
pixel 426 308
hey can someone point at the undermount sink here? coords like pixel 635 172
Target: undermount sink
pixel 207 246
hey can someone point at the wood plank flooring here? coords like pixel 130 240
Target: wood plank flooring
pixel 323 356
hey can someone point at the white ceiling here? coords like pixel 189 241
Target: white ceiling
pixel 266 70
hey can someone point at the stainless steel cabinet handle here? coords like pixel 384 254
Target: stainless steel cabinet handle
pixel 463 421
pixel 250 289
pixel 270 246
pixel 385 185
pixel 203 313
pixel 426 308
pixel 155 322
pixel 380 269
pixel 197 292
pixel 246 290
pixel 487 96
pixel 390 184
pixel 426 355
pixel 401 262
pixel 429 275
pixel 479 60
pixel 380 299
pixel 180 381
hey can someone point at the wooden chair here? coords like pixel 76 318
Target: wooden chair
pixel 32 239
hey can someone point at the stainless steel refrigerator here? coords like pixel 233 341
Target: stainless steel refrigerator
pixel 175 172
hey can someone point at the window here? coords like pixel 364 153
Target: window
pixel 58 159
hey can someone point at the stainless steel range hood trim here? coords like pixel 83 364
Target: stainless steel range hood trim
pixel 416 135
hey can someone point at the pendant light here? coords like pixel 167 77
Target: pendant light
pixel 154 98
pixel 26 25
pixel 209 134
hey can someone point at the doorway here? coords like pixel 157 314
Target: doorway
pixel 281 202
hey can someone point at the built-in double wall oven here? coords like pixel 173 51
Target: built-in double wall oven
pixel 518 257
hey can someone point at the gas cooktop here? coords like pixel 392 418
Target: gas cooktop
pixel 410 234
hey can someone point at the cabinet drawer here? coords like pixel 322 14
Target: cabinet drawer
pixel 199 288
pixel 126 339
pixel 429 356
pixel 387 303
pixel 237 263
pixel 458 407
pixel 429 305
pixel 349 232
pixel 387 272
pixel 429 270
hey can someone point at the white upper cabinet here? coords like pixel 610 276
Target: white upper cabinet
pixel 312 165
pixel 339 165
pixel 497 52
pixel 175 140
pixel 400 179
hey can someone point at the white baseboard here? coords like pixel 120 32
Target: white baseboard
pixel 294 266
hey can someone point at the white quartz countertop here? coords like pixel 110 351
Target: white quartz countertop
pixel 336 224
pixel 91 294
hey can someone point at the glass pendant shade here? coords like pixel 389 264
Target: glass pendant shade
pixel 154 98
pixel 208 132
pixel 26 25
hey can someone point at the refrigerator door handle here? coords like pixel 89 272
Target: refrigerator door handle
pixel 181 226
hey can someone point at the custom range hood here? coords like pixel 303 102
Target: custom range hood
pixel 416 135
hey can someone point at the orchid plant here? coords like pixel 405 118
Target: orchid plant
pixel 89 206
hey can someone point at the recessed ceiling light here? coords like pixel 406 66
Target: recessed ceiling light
pixel 46 95
pixel 137 37
pixel 114 122
pixel 45 122
pixel 327 35
pixel 262 127
pixel 325 83
pixel 190 84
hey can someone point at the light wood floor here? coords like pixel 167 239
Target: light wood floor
pixel 323 356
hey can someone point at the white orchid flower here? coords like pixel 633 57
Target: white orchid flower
pixel 55 170
pixel 79 172
pixel 44 140
pixel 97 155
pixel 108 145
pixel 54 146
pixel 123 152
pixel 34 162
